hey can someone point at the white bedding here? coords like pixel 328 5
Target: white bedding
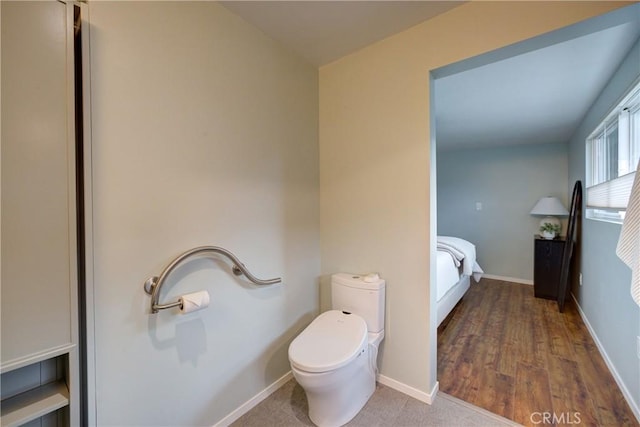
pixel 463 253
pixel 456 262
pixel 448 274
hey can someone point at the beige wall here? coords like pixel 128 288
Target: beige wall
pixel 204 132
pixel 376 185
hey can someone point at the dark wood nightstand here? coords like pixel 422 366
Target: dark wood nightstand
pixel 546 267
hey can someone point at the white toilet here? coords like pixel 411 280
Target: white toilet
pixel 334 358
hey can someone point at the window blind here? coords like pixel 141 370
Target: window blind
pixel 613 194
pixel 612 152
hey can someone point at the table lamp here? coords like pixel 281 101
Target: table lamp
pixel 550 208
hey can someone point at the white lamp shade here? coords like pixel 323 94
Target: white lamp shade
pixel 549 206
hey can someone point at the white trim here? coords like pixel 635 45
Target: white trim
pixel 508 279
pixel 625 392
pixel 41 356
pixel 427 398
pixel 605 215
pixel 623 99
pixel 90 304
pixel 254 401
pixel 432 293
pixel 410 391
pixel 73 361
pixel 602 191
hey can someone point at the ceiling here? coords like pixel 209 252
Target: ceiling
pixel 526 95
pixel 540 96
pixel 323 31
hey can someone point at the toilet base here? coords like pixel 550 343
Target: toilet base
pixel 336 397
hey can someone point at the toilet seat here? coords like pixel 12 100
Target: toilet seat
pixel 331 341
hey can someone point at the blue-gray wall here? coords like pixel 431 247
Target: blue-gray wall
pixel 508 181
pixel 605 294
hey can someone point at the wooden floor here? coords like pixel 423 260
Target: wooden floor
pixel 515 355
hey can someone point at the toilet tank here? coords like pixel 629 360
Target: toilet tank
pixel 363 295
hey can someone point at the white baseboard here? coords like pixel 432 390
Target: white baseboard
pixel 254 401
pixel 623 388
pixel 410 391
pixel 389 382
pixel 509 279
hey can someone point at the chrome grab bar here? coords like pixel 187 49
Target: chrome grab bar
pixel 153 284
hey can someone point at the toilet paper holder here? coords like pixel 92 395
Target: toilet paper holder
pixel 153 284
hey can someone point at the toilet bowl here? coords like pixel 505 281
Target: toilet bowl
pixel 335 358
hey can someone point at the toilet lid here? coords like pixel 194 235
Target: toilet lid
pixel 331 341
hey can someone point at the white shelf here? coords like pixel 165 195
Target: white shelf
pixel 34 404
pixel 30 359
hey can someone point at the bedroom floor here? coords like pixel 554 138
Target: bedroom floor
pixel 515 355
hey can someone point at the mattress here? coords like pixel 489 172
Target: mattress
pixel 448 274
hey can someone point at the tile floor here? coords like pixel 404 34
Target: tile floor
pixel 387 407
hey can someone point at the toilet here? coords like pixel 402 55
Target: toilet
pixel 335 358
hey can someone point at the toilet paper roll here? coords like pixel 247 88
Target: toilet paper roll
pixel 194 301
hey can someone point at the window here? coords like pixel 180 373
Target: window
pixel 613 150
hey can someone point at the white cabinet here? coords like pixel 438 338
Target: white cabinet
pixel 38 214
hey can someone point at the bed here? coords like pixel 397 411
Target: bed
pixel 456 264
